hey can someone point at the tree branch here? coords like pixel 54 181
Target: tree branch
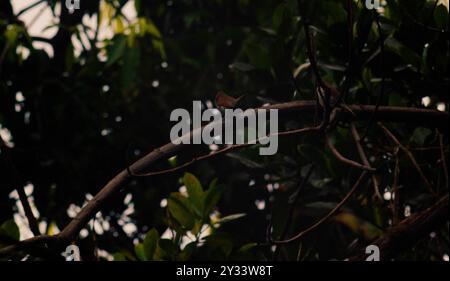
pixel 380 96
pixel 428 117
pixel 395 190
pixel 329 215
pixel 292 203
pixel 444 163
pixel 70 232
pixel 405 235
pixel 19 186
pixel 27 244
pixel 410 156
pixel 365 160
pixel 344 160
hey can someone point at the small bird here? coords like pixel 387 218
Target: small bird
pixel 224 101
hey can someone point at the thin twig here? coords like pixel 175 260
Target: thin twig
pixel 24 10
pixel 36 17
pixel 19 186
pixel 329 215
pixel 365 160
pixel 119 181
pixel 423 25
pixel 292 204
pixel 381 40
pixel 192 161
pixel 395 191
pixel 347 161
pixel 221 151
pixel 410 156
pixel 444 163
pixel 313 61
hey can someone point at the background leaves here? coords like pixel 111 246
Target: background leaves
pixel 78 115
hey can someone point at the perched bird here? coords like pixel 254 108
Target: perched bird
pixel 224 101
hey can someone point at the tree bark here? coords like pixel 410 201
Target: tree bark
pixel 409 231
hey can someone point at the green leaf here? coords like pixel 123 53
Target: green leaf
pixel 10 229
pixel 420 135
pixel 146 26
pixel 140 252
pixel 179 208
pixel 278 15
pixel 195 192
pixel 128 71
pixel 408 55
pixel 159 46
pixel 243 67
pixel 247 247
pixel 197 227
pixel 441 16
pixel 212 197
pixel 258 55
pixel 137 5
pixel 187 252
pixel 117 49
pixel 219 241
pixel 153 30
pixel 359 226
pixel 192 184
pixel 119 257
pixel 150 242
pixel 166 250
pixel 213 183
pixel 12 33
pixel 321 205
pixel 246 161
pixel 366 78
pixel 320 183
pixel 231 218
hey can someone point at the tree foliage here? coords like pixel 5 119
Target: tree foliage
pixel 78 115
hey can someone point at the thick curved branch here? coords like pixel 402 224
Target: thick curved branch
pixel 120 181
pixel 404 235
pixel 426 117
pixel 27 244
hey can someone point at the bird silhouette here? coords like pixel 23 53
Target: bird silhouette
pixel 224 101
